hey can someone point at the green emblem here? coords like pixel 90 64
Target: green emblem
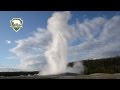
pixel 16 24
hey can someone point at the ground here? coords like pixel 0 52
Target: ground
pixel 91 76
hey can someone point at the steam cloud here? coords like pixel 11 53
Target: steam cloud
pixel 56 53
pixel 49 50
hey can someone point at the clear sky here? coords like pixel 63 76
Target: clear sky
pixel 31 21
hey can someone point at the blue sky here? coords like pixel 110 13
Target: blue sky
pixel 31 21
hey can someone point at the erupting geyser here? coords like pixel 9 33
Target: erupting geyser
pixel 56 53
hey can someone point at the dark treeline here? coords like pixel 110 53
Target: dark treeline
pixel 18 73
pixel 104 65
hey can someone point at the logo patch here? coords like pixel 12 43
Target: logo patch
pixel 16 24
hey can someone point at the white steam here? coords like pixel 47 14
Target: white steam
pixel 77 68
pixel 56 56
pixel 56 53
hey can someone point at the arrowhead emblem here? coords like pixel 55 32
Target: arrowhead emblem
pixel 16 24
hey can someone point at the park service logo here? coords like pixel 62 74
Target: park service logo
pixel 16 24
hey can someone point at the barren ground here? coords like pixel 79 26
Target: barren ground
pixel 91 76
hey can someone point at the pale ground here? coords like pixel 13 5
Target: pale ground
pixel 92 76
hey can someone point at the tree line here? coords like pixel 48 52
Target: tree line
pixel 103 65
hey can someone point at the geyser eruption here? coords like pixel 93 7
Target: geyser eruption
pixel 56 53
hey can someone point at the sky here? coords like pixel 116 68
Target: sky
pixel 91 34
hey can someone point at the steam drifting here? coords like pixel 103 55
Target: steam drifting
pixel 49 50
